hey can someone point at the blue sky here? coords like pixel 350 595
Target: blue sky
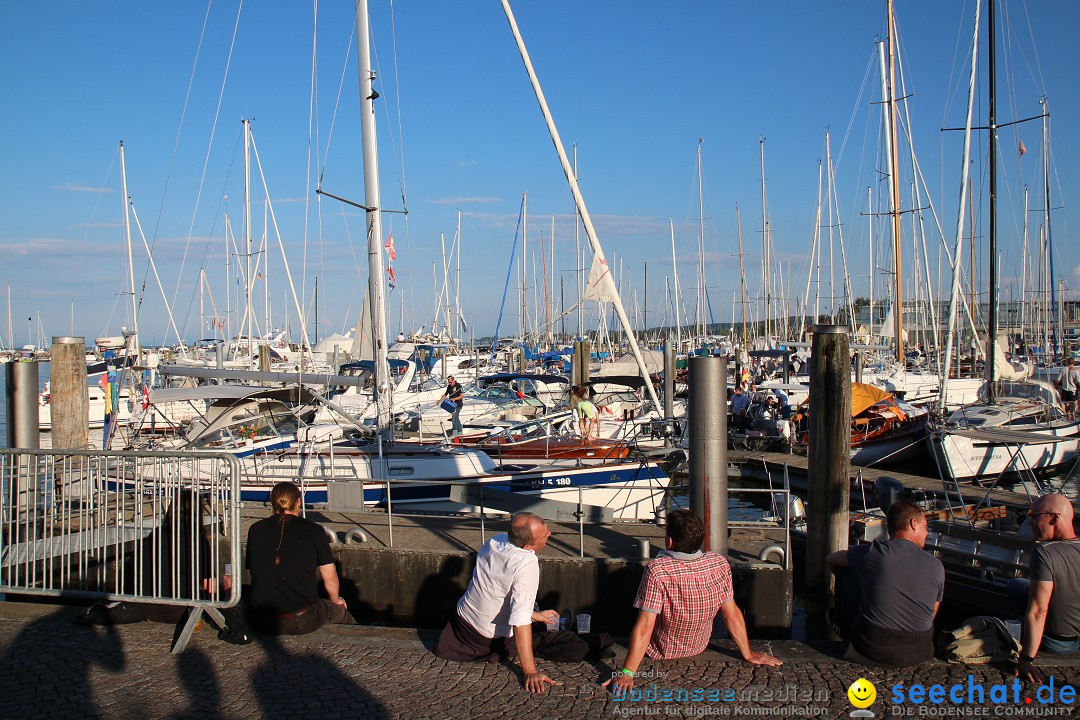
pixel 634 84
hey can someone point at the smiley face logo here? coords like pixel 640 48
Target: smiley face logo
pixel 862 693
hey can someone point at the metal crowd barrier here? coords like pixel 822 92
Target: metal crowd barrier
pixel 158 528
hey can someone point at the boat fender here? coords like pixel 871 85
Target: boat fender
pixel 355 536
pixel 769 550
pixel 332 535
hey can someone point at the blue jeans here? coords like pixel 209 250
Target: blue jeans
pixel 1019 590
pixel 455 420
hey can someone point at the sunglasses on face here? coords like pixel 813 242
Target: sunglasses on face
pixel 1037 514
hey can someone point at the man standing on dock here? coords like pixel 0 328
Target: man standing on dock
pixel 1051 621
pixel 498 605
pixel 679 595
pixel 456 395
pixel 1069 381
pixel 888 592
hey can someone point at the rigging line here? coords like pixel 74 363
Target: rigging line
pixel 337 104
pixel 1038 65
pixel 211 240
pixel 206 159
pixel 176 142
pixel 307 166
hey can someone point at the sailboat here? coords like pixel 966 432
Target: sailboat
pixel 350 464
pixel 1018 429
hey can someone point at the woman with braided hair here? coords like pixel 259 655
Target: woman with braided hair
pixel 284 554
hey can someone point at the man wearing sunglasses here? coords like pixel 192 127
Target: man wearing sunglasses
pixel 1051 622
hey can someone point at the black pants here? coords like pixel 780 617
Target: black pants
pixel 303 621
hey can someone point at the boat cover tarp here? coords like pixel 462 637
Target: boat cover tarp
pixel 863 396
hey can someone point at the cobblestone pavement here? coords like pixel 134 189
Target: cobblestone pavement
pixel 51 668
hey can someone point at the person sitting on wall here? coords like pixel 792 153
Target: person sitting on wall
pixel 679 595
pixel 495 615
pixel 888 593
pixel 284 554
pixel 1051 597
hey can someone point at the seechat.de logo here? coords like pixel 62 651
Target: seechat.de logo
pixel 862 695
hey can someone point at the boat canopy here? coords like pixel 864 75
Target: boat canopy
pixel 864 396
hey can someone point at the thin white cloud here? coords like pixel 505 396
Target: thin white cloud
pixel 76 187
pixel 478 200
pixel 40 247
pixel 98 225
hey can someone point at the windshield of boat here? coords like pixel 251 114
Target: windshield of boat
pixel 1025 390
pixel 251 422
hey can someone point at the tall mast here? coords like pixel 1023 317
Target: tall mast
pixel 701 247
pixel 579 201
pixel 870 225
pixel 247 238
pixel 991 352
pixel 131 266
pixel 457 276
pixel 524 265
pixel 675 273
pixel 372 201
pixel 579 260
pixel 894 186
pixel 742 277
pixel 1046 214
pixel 764 247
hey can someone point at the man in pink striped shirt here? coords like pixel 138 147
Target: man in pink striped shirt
pixel 679 595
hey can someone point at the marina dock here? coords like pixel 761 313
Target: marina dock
pixel 768 467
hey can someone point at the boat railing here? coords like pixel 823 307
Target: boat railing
pixel 140 527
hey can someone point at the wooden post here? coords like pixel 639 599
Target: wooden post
pixel 69 402
pixel 828 457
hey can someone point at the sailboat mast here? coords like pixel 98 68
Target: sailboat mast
pixel 374 214
pixel 991 341
pixel 1046 216
pixel 579 201
pixel 894 186
pixel 764 247
pixel 457 276
pixel 247 238
pixel 524 265
pixel 742 278
pixel 675 274
pixel 579 261
pixel 131 265
pixel 701 247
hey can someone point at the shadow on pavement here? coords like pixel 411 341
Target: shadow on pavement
pixel 288 685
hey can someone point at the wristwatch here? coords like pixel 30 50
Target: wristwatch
pixel 1027 658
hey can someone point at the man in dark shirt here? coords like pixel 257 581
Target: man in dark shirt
pixel 890 591
pixel 1051 620
pixel 456 395
pixel 284 553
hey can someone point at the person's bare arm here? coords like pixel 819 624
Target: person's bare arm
pixel 535 681
pixel 639 640
pixel 330 581
pixel 1032 628
pixel 736 627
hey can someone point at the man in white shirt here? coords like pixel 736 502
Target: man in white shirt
pixel 498 604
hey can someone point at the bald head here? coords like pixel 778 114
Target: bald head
pixel 1055 503
pixel 526 528
pixel 1052 518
